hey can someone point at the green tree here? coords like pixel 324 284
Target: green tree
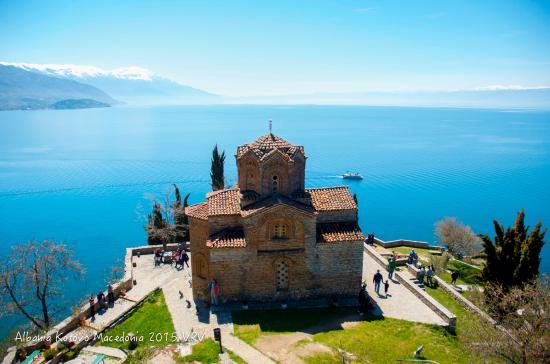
pixel 513 258
pixel 216 170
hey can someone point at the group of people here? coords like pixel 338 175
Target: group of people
pixel 103 301
pixel 179 256
pixel 428 274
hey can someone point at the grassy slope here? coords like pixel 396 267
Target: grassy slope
pixel 151 318
pixel 375 340
pixel 387 340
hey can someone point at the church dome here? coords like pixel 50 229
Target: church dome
pixel 267 143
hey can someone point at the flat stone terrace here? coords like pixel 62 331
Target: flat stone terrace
pixel 401 303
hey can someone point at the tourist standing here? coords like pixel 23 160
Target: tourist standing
pixel 429 276
pixel 386 287
pixel 421 274
pixel 92 307
pixel 214 291
pixel 110 296
pixel 377 279
pixel 391 267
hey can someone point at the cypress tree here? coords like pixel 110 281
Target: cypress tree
pixel 216 170
pixel 513 259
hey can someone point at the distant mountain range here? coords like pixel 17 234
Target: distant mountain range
pixel 37 86
pixel 489 97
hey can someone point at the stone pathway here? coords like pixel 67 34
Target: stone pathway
pixel 401 303
pixel 188 319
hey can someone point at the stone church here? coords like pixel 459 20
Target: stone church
pixel 270 238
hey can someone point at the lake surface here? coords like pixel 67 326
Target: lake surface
pixel 88 177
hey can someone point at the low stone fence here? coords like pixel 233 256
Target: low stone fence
pixel 437 307
pixel 73 322
pixel 408 243
pixel 467 304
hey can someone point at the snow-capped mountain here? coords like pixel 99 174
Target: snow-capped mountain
pixel 21 89
pixel 132 85
pixel 78 71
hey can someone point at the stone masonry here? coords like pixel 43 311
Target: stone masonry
pixel 269 238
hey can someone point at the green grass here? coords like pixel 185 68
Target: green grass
pixel 322 358
pixel 250 325
pixel 452 305
pixel 375 340
pixel 207 352
pixel 420 251
pixel 388 340
pixel 466 273
pixel 151 321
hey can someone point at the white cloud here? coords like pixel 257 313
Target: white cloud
pixel 84 71
pixel 510 87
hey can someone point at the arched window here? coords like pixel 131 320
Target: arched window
pixel 280 231
pixel 201 267
pixel 282 276
pixel 275 184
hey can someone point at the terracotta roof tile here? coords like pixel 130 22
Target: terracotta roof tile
pixel 229 238
pixel 332 198
pixel 273 200
pixel 224 202
pixel 198 211
pixel 267 143
pixel 336 232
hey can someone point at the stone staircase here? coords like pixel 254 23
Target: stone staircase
pixel 417 282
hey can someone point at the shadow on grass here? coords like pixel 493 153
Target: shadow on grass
pixel 310 321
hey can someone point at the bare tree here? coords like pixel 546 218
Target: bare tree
pixel 523 331
pixel 459 238
pixel 30 275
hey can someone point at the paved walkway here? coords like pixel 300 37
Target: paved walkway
pixel 401 303
pixel 188 318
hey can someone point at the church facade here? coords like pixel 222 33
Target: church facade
pixel 270 238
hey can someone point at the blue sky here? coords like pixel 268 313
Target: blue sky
pixel 288 47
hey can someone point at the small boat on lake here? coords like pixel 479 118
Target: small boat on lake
pixel 350 175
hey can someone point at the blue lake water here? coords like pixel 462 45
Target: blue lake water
pixel 88 177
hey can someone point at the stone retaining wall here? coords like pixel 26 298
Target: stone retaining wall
pixel 408 243
pixel 467 304
pixel 72 322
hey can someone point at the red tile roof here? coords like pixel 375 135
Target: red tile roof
pixel 267 143
pixel 332 198
pixel 337 232
pixel 198 211
pixel 229 238
pixel 224 202
pixel 273 200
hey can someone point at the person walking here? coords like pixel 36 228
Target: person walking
pixel 391 268
pixel 185 258
pixel 377 279
pixel 454 277
pixel 386 287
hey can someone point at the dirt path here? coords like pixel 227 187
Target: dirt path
pixel 291 348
